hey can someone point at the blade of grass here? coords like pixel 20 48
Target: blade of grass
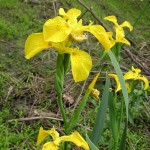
pixel 92 146
pixel 123 139
pixel 99 123
pixel 121 114
pixel 112 116
pixel 121 79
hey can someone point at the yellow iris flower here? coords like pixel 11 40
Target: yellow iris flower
pixel 119 29
pixel 66 27
pixel 75 137
pixel 133 74
pixel 59 32
pixel 81 62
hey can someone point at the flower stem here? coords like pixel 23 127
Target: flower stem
pixel 60 103
pixel 59 82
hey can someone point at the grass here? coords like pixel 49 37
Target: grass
pixel 26 86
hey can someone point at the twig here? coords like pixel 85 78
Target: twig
pixel 83 14
pixel 55 7
pixel 91 11
pixel 138 61
pixel 42 117
pixel 35 118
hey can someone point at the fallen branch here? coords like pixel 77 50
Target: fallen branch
pixel 35 118
pixel 139 61
pixel 42 117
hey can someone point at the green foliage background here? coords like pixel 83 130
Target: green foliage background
pixel 26 86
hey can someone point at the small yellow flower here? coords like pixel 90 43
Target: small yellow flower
pixel 92 84
pixel 133 74
pixel 75 137
pixel 95 93
pixel 119 29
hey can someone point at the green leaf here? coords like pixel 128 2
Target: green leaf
pixel 66 63
pixel 59 81
pixel 123 139
pixel 112 115
pixel 77 113
pixel 92 146
pixel 121 79
pixel 131 120
pixel 116 50
pixel 59 77
pixel 99 123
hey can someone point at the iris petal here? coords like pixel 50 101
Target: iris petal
pixel 104 37
pixel 91 86
pixel 50 146
pixel 145 81
pixel 77 139
pixel 127 24
pixel 34 44
pixel 118 87
pixel 120 35
pixel 70 13
pixel 62 12
pixel 123 40
pixel 112 19
pixel 56 30
pixel 42 135
pixel 81 64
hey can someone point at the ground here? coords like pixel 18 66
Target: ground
pixel 27 96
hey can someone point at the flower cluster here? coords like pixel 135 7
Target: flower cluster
pixel 133 74
pixel 62 30
pixel 59 33
pixel 75 137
